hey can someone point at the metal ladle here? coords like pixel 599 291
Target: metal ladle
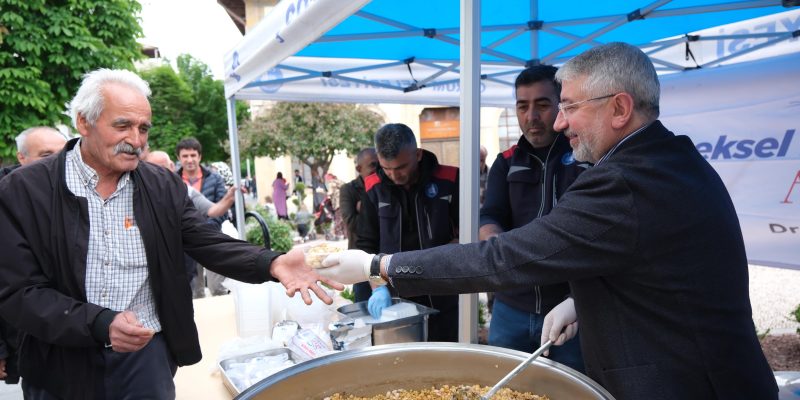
pixel 517 370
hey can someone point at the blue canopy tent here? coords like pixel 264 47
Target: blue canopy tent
pixel 468 53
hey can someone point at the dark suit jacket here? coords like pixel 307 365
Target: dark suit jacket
pixel 651 245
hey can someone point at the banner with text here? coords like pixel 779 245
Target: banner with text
pixel 747 125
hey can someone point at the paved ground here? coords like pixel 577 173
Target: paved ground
pixel 774 296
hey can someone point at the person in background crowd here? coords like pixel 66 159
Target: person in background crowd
pixel 334 187
pixel 202 179
pixel 92 251
pixel 648 239
pixel 254 188
pixel 270 206
pixel 206 207
pixel 33 144
pixel 298 178
pixel 525 182
pixel 190 153
pixel 303 220
pixel 483 174
pixel 318 188
pixel 279 189
pixel 351 197
pixel 411 204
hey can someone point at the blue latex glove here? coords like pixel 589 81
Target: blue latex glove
pixel 379 300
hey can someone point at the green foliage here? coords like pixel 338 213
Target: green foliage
pixel 483 309
pixel 300 188
pixel 796 314
pixel 189 102
pixel 280 232
pixel 312 132
pixel 45 49
pixel 348 294
pixel 170 102
pixel 209 111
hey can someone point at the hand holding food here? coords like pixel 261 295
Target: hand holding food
pixel 316 254
pixel 348 267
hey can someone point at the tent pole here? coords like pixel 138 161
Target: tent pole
pixel 236 165
pixel 470 119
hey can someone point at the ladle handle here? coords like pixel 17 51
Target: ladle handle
pixel 517 370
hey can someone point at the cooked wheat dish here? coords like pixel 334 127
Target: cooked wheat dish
pixel 316 254
pixel 446 392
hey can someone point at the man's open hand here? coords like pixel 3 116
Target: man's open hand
pixel 296 276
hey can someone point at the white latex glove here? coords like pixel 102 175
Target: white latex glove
pixel 561 317
pixel 348 267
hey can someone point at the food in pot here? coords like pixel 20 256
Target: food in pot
pixel 316 254
pixel 445 392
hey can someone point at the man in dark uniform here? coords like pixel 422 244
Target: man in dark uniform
pixel 412 203
pixel 525 182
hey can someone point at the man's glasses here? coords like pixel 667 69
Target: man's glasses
pixel 566 108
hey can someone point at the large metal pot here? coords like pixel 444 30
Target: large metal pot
pixel 374 370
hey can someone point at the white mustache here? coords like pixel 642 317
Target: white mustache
pixel 126 148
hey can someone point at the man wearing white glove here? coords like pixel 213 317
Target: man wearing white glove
pixel 648 239
pixel 560 324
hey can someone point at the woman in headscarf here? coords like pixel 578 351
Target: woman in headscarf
pixel 279 188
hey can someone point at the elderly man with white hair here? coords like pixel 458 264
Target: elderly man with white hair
pixel 92 256
pixel 34 144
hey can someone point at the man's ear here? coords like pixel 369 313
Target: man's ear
pixel 82 125
pixel 623 110
pixel 20 157
pixel 419 154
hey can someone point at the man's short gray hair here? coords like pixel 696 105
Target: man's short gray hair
pixel 22 138
pixel 89 100
pixel 613 68
pixel 393 138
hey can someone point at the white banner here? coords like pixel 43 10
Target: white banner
pixel 290 26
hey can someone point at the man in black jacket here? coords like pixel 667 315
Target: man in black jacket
pixel 33 144
pixel 92 256
pixel 648 239
pixel 351 196
pixel 525 182
pixel 411 204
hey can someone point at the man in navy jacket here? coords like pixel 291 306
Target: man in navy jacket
pixel 648 239
pixel 525 182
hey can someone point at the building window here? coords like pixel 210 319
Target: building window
pixel 508 131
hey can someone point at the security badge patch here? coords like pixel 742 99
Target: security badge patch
pixel 431 190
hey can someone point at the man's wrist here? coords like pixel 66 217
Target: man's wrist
pixel 374 274
pixel 384 266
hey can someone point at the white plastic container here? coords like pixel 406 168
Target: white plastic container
pixel 397 311
pixel 258 307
